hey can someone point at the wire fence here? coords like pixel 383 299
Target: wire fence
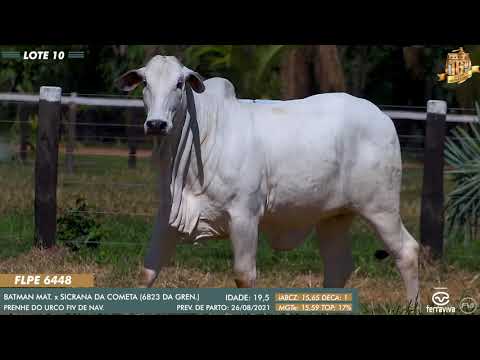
pixel 90 160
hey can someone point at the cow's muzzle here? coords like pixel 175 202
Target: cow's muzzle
pixel 156 127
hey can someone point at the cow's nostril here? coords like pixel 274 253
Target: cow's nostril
pixel 156 125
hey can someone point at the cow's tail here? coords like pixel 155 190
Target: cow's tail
pixel 381 254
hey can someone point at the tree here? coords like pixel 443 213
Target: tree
pixel 249 67
pixel 462 153
pixel 310 69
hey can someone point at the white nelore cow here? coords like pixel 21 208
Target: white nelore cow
pixel 232 167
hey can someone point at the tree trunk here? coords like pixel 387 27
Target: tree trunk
pixel 295 73
pixel 414 59
pixel 328 70
pixel 360 70
pixel 308 70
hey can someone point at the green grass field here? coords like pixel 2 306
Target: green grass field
pixel 123 201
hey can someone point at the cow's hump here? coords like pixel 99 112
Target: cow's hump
pixel 220 87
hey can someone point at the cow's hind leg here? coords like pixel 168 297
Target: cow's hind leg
pixel 335 249
pixel 401 245
pixel 244 237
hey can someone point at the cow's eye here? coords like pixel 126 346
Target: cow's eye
pixel 179 84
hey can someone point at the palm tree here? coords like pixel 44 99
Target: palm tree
pixel 246 66
pixel 463 206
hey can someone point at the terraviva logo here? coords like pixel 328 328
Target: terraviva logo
pixel 441 298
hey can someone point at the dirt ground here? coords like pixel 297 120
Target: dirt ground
pixel 105 151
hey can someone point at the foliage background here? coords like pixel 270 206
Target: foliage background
pixel 387 75
pixel 384 74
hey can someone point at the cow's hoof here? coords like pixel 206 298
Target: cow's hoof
pixel 148 277
pixel 245 283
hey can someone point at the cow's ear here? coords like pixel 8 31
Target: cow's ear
pixel 130 80
pixel 195 80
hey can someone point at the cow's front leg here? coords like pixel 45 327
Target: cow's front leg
pixel 160 252
pixel 161 249
pixel 244 237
